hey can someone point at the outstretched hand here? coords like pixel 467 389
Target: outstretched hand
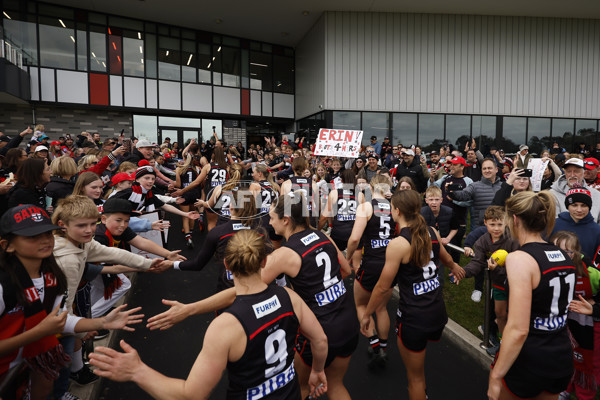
pixel 114 365
pixel 581 306
pixel 120 319
pixel 163 321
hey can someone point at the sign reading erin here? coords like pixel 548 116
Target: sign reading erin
pixel 338 143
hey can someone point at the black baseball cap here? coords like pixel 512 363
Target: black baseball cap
pixel 26 220
pixel 373 137
pixel 113 206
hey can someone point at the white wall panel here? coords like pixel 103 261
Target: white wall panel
pixel 151 93
pixel 34 83
pixel 450 64
pixel 267 104
pixel 227 100
pixel 197 97
pixel 135 95
pixel 283 105
pixel 169 95
pixel 255 102
pixel 72 87
pixel 116 90
pixel 48 84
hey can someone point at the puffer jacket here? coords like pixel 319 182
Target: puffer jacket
pixel 482 193
pixel 71 260
pixel 560 188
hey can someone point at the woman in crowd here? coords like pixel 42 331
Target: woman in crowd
pixel 61 185
pixel 13 159
pixel 32 177
pixel 515 183
pixel 90 185
pixel 535 358
pixel 411 262
pixel 406 183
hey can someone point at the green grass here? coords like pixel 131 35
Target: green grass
pixel 459 305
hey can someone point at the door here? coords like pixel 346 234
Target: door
pixel 181 135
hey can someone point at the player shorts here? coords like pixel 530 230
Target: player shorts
pixel 341 244
pixel 416 340
pixel 499 294
pixel 524 383
pixel 345 350
pixel 368 275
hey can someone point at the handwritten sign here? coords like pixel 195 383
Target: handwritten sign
pixel 537 167
pixel 338 143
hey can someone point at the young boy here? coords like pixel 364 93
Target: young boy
pixel 73 247
pixel 115 232
pixel 494 239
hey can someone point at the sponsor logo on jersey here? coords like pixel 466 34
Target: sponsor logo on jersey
pixel 266 307
pixel 383 206
pixel 308 239
pixel 555 256
pixel 427 286
pixel 551 323
pixel 377 243
pixel 272 384
pixel 301 181
pixel 228 275
pixel 331 294
pixel 238 226
pixel 346 217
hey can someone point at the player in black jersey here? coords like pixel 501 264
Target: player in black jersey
pixel 535 358
pixel 184 176
pixel 373 227
pixel 306 186
pixel 253 339
pixel 268 191
pixel 340 209
pixel 212 175
pixel 220 199
pixel 411 262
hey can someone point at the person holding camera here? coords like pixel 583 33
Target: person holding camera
pixel 517 181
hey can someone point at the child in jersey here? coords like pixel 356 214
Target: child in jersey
pixel 32 286
pixel 253 339
pixel 584 330
pixel 496 238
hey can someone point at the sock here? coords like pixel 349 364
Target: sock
pixel 374 342
pixel 77 362
pixel 383 344
pixel 188 235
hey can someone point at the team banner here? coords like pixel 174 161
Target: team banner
pixel 537 167
pixel 338 143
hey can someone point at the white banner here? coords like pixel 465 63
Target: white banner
pixel 154 235
pixel 537 167
pixel 338 143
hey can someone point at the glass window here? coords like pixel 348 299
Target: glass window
pixel 146 127
pixel 245 68
pixel 151 59
pixel 431 127
pixel 226 60
pixel 81 50
pixel 229 41
pixel 283 74
pixel 204 63
pixel 133 53
pixel 404 128
pixel 346 120
pixel 23 36
pixel 169 58
pixel 179 122
pixel 209 126
pixel 126 23
pixel 57 43
pixel 261 71
pixel 484 132
pixel 188 68
pixel 585 133
pixel 513 133
pixel 115 56
pixel 538 134
pixel 97 49
pixel 375 124
pixel 562 132
pixel 458 130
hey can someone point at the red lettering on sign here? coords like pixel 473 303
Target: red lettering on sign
pixel 349 135
pixel 322 135
pixel 332 135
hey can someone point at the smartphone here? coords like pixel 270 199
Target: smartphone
pixel 63 302
pixel 453 188
pixel 527 173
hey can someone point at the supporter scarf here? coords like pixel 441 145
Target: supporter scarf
pixel 142 198
pixel 46 354
pixel 581 328
pixel 111 281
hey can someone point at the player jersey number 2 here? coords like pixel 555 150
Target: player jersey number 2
pixel 323 260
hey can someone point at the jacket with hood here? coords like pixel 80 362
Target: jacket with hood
pixel 413 171
pixel 559 190
pixel 482 193
pixel 71 259
pixel 587 230
pixel 484 248
pixel 59 188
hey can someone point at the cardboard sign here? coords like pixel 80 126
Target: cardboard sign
pixel 338 143
pixel 537 174
pixel 155 236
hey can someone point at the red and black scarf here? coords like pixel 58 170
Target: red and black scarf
pixel 46 354
pixel 143 201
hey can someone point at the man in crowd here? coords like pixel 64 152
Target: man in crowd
pixel 573 177
pixel 144 150
pixel 590 172
pixel 376 146
pixel 372 167
pixel 411 167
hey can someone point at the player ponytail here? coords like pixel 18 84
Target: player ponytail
pixel 245 253
pixel 409 203
pixel 235 176
pixel 264 170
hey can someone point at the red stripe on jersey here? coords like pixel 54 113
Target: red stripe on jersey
pixel 312 248
pixel 270 323
pixel 557 268
pixel 229 234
